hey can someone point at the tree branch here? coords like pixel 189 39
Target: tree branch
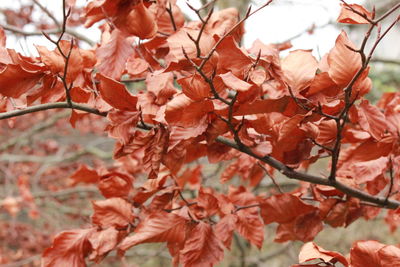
pixel 57 105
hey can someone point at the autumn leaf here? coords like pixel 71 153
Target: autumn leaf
pixel 102 243
pixel 371 119
pixel 115 212
pixel 283 208
pixel 299 68
pixel 224 229
pixel 138 21
pixel 202 248
pixel 343 62
pixel 251 227
pixel 69 249
pixel 365 254
pixel 15 81
pixel 115 184
pixel 116 94
pixel 112 56
pixel 234 83
pixel 159 226
pixel 311 251
pixel 347 15
pixel 195 87
pixel 85 174
pixel 182 111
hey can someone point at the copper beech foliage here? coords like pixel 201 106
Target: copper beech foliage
pixel 207 97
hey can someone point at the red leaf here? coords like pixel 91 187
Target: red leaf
pixel 52 59
pixel 115 212
pixel 250 226
pixel 349 16
pixel 155 150
pixel 84 174
pixel 299 68
pixel 112 56
pixel 371 119
pixel 69 249
pixel 103 242
pixel 283 208
pixel 159 226
pixel 311 251
pixel 195 87
pixel 180 41
pixel 365 254
pixel 115 184
pixel 182 111
pixel 138 21
pixel 202 248
pixel 366 171
pixel 224 229
pixel 263 106
pixel 304 228
pixel 389 256
pixel 343 62
pixel 234 83
pixel 116 94
pixel 122 124
pixel 15 81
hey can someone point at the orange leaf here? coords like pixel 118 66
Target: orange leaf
pixel 84 174
pixel 250 226
pixel 139 22
pixel 182 111
pixel 52 59
pixel 234 83
pixel 15 81
pixel 202 248
pixel 112 56
pixel 304 228
pixel 159 226
pixel 103 242
pixel 349 16
pixel 115 184
pixel 371 119
pixel 343 62
pixel 224 229
pixel 283 208
pixel 365 254
pixel 299 68
pixel 116 94
pixel 389 256
pixel 311 251
pixel 69 249
pixel 115 212
pixel 195 87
